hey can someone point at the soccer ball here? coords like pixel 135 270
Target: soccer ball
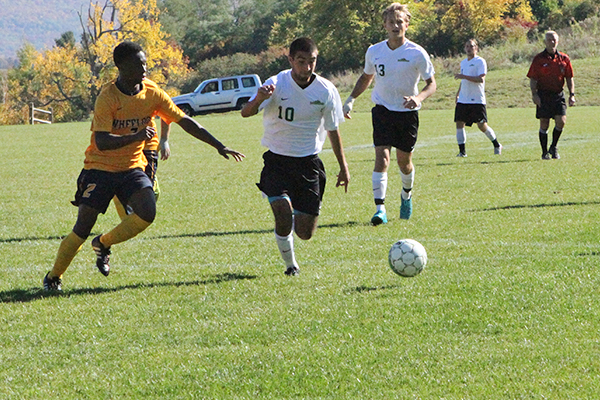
pixel 407 257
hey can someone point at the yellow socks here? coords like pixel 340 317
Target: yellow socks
pixel 129 227
pixel 69 247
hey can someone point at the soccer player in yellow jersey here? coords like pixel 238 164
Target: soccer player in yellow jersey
pixel 114 161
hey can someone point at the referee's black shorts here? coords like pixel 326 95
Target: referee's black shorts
pixel 553 104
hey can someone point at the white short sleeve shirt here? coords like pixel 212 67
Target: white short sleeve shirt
pixel 296 120
pixel 472 92
pixel 397 72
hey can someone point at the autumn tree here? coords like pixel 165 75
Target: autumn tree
pixel 343 29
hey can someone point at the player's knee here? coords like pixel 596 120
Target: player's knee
pixel 304 235
pixel 82 231
pixel 147 215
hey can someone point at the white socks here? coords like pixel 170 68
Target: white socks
pixel 461 135
pixel 407 183
pixel 490 134
pixel 379 180
pixel 286 249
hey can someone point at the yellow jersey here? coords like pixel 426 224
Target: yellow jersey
pixel 120 114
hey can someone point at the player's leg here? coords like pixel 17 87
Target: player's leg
pixel 151 169
pixel 121 210
pixel 491 135
pixel 383 121
pixel 407 172
pixel 559 124
pixel 273 184
pixel 134 189
pixel 94 192
pixel 543 136
pixel 284 227
pixel 379 181
pixel 70 246
pixel 143 204
pixel 461 138
pixel 408 127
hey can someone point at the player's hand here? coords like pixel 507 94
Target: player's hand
pixel 348 104
pixel 571 101
pixel 459 76
pixel 536 100
pixel 265 92
pixel 147 133
pixel 165 150
pixel 411 102
pixel 226 152
pixel 343 178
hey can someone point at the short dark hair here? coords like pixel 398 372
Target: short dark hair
pixel 302 44
pixel 125 50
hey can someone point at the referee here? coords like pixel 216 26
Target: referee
pixel 547 75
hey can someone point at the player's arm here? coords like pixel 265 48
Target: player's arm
pixel 165 149
pixel 458 92
pixel 571 87
pixel 108 141
pixel 251 108
pixel 475 79
pixel 343 177
pixel 361 85
pixel 192 127
pixel 429 89
pixel 534 92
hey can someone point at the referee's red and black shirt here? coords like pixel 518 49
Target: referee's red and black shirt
pixel 550 71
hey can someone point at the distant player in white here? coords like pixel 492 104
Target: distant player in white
pixel 470 99
pixel 300 110
pixel 397 65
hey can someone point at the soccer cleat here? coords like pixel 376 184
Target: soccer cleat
pixel 51 284
pixel 102 256
pixel 545 156
pixel 379 218
pixel 554 153
pixel 292 271
pixel 498 150
pixel 406 208
pixel 461 154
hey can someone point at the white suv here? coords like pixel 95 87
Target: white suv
pixel 219 94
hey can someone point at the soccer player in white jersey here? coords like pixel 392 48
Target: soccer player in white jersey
pixel 300 110
pixel 397 65
pixel 470 99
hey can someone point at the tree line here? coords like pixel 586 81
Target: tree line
pixel 188 41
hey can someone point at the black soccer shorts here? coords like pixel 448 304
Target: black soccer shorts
pixel 396 129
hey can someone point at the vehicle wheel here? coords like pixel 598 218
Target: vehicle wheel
pixel 241 103
pixel 187 109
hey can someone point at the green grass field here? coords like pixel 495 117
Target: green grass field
pixel 198 306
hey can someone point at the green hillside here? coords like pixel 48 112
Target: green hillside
pixel 38 22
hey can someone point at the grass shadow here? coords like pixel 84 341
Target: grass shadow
pixel 363 289
pixel 27 295
pixel 33 238
pixel 543 205
pixel 347 224
pixel 445 164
